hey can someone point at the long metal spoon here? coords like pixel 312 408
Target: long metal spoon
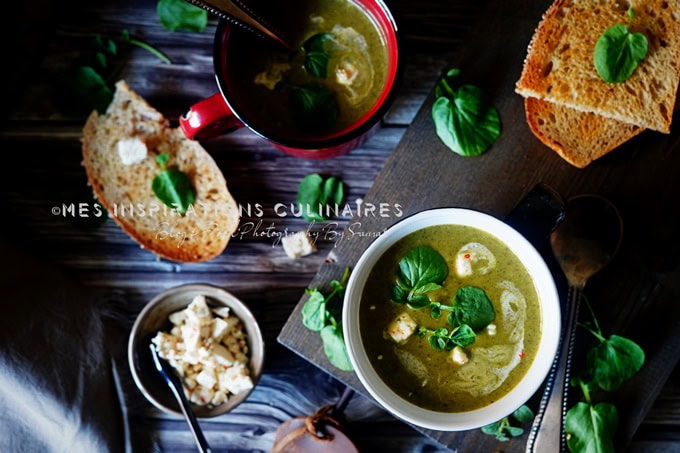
pixel 175 385
pixel 238 12
pixel 583 243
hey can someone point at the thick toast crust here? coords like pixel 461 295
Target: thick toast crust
pixel 578 137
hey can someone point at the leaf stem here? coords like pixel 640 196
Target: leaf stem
pixel 597 335
pixel 153 50
pixel 584 389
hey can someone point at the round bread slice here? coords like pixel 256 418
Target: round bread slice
pixel 119 154
pixel 578 137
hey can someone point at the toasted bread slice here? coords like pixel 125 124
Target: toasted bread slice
pixel 559 65
pixel 579 138
pixel 124 189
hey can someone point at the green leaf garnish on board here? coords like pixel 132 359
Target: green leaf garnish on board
pixel 464 119
pixel 504 429
pixel 318 317
pixel 172 186
pixel 618 51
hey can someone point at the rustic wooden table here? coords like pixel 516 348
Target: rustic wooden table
pixel 43 174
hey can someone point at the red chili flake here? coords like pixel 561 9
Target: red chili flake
pixel 522 355
pixel 466 256
pixel 202 400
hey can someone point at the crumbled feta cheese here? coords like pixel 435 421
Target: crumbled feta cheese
pixel 491 329
pixel 298 244
pixel 131 150
pixel 208 349
pixel 401 328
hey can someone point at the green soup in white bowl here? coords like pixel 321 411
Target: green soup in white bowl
pixel 452 319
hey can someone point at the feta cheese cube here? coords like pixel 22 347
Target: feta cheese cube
pixel 178 317
pixel 131 150
pixel 298 244
pixel 459 356
pixel 219 329
pixel 401 328
pixel 222 312
pixel 222 355
pixel 491 329
pixel 206 378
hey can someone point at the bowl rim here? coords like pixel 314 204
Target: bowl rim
pixel 134 338
pixel 550 319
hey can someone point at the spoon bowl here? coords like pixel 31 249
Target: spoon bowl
pixel 583 243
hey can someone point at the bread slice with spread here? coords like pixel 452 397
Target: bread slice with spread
pixel 119 153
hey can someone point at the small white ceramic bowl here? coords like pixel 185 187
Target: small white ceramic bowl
pixel 550 322
pixel 154 318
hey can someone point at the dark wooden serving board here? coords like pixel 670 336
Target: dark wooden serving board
pixel 636 295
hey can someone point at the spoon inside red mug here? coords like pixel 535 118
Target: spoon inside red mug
pixel 238 12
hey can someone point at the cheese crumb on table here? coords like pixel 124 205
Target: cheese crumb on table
pixel 209 350
pixel 298 244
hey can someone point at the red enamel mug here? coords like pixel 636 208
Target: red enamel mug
pixel 230 108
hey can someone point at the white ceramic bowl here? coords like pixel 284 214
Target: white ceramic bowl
pixel 550 322
pixel 154 317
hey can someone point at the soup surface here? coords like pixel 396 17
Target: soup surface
pixel 465 378
pixel 334 77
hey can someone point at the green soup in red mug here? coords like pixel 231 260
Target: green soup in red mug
pixel 318 100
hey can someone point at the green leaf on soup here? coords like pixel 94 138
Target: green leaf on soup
pixel 334 347
pixel 398 295
pixel 423 265
pixel 418 301
pixel 614 361
pixel 472 306
pixel 435 310
pixel 618 52
pixel 317 55
pixel 314 311
pixel 464 120
pixel 463 336
pixel 313 107
pixel 437 343
pixel 173 187
pixel 427 287
pixel 175 15
pixel 591 429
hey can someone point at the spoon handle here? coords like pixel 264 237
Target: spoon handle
pixel 201 442
pixel 547 432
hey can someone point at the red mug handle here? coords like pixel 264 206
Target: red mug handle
pixel 208 118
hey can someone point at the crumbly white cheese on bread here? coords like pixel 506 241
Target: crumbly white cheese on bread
pixel 131 150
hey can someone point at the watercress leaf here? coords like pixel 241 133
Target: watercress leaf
pixel 444 86
pixel 523 414
pixel 427 287
pixel 418 301
pixel 492 428
pixel 614 361
pixel 514 431
pixel 162 160
pixel 314 311
pixel 334 347
pixel 173 187
pixel 618 52
pixel 309 196
pixel 177 15
pixel 466 122
pixel 441 332
pixel 423 265
pixel 502 437
pixel 402 284
pixel 398 295
pixel 435 311
pixel 333 191
pixel 453 322
pixel 313 106
pixel 436 343
pixel 317 55
pixel 464 336
pixel 421 331
pixel 472 306
pixel 90 88
pixel 591 429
